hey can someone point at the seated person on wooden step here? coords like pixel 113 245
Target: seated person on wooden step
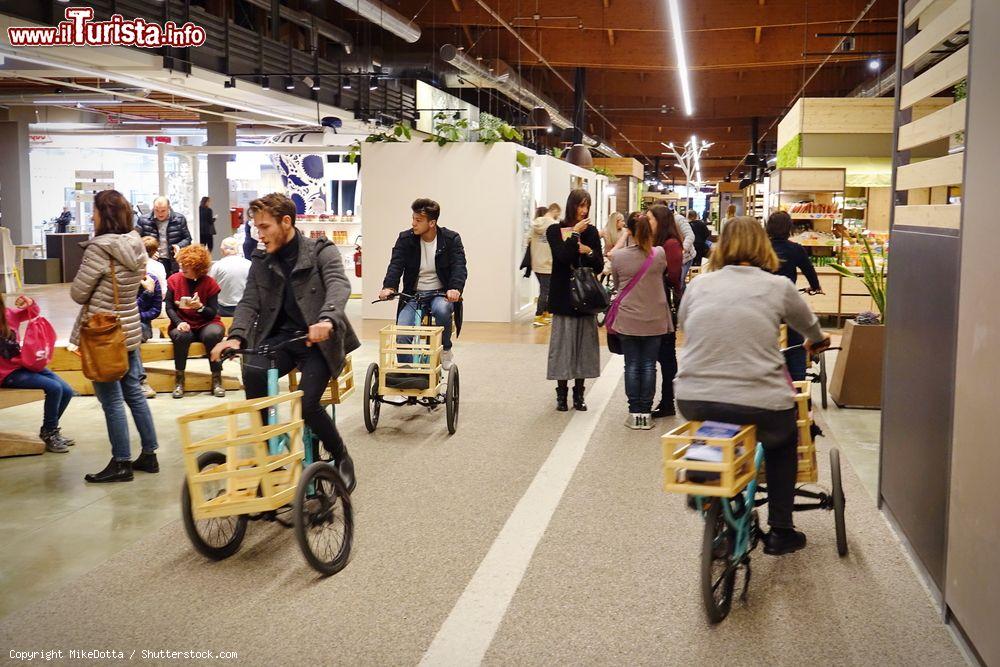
pixel 428 259
pixel 296 286
pixel 13 374
pixel 192 302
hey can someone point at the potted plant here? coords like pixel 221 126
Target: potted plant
pixel 857 375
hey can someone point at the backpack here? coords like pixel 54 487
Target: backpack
pixel 38 344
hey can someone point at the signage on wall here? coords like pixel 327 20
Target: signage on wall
pixel 80 29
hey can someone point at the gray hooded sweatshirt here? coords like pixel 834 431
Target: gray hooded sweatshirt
pixel 94 290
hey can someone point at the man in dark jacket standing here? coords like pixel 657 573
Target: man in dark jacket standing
pixel 701 234
pixel 296 285
pixel 429 259
pixel 167 227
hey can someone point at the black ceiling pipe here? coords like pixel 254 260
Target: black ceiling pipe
pixel 579 104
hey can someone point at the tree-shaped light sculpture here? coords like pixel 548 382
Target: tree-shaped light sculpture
pixel 690 159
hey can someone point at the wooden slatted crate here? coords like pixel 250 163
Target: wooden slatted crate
pixel 423 352
pixel 253 478
pixel 735 470
pixel 340 387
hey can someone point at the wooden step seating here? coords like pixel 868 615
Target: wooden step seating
pixel 69 367
pixel 17 443
pixel 253 478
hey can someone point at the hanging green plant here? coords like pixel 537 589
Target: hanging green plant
pixel 447 130
pixel 601 171
pixel 397 133
pixel 523 160
pixel 492 130
pixel 961 92
pixel 557 152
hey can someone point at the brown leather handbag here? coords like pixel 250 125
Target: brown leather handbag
pixel 102 343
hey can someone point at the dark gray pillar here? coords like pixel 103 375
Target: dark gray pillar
pixel 15 181
pixel 220 134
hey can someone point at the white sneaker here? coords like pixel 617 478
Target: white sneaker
pixel 447 359
pixel 647 421
pixel 633 421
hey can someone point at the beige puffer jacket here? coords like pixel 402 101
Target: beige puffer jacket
pixel 93 287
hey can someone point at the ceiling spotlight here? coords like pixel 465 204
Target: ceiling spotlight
pixel 549 129
pixel 315 84
pixel 231 83
pixel 373 83
pixel 265 82
pixel 874 64
pixel 289 83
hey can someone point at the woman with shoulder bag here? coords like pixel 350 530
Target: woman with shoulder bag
pixel 574 350
pixel 113 266
pixel 668 236
pixel 639 317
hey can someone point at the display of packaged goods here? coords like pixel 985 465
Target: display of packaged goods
pixel 811 207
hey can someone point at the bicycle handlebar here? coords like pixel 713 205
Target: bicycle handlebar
pixel 264 350
pixel 411 297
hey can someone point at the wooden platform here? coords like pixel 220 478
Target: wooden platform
pixel 20 444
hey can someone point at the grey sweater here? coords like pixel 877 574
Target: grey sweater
pixel 731 320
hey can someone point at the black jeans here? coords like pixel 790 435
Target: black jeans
pixel 210 335
pixel 170 266
pixel 543 293
pixel 226 311
pixel 796 359
pixel 668 368
pixel 314 379
pixel 778 433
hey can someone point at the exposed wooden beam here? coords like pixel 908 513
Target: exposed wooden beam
pixel 607 3
pixel 611 37
pixel 457 5
pixel 756 35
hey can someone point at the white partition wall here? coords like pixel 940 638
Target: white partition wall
pixel 554 178
pixel 478 189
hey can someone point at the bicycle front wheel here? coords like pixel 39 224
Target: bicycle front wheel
pixel 718 572
pixel 324 519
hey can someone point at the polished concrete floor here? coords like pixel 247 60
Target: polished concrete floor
pixel 608 576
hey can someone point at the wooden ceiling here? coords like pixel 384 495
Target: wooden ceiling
pixel 745 59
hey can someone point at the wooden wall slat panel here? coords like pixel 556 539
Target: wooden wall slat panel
pixel 946 170
pixel 947 23
pixel 937 125
pixel 941 216
pixel 945 74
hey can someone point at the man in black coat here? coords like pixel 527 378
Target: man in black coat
pixel 429 259
pixel 296 285
pixel 701 235
pixel 167 227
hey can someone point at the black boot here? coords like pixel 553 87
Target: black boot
pixel 346 469
pixel 781 541
pixel 146 462
pixel 578 402
pixel 561 393
pixel 115 471
pixel 178 384
pixel 664 409
pixel 217 389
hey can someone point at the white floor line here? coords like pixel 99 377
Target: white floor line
pixel 468 631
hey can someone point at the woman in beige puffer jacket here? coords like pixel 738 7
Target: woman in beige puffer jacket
pixel 541 258
pixel 117 246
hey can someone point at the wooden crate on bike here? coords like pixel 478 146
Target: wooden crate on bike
pixel 808 473
pixel 735 470
pixel 420 356
pixel 252 479
pixel 341 387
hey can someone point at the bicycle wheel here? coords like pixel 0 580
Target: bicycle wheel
pixel 216 538
pixel 838 502
pixel 373 402
pixel 718 574
pixel 822 379
pixel 324 519
pixel 451 400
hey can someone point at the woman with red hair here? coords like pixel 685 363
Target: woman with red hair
pixel 192 302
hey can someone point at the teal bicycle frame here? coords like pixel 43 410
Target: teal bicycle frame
pixel 740 524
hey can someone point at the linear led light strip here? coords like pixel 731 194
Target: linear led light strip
pixel 682 68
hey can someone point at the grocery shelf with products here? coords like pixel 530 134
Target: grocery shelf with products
pixel 814 199
pixel 343 230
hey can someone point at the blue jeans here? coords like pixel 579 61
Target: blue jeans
pixel 441 310
pixel 58 393
pixel 113 397
pixel 685 268
pixel 640 371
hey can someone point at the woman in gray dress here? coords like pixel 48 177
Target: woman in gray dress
pixel 574 351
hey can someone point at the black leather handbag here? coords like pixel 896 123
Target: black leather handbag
pixel 587 295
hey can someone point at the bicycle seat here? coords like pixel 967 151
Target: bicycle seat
pixel 416 381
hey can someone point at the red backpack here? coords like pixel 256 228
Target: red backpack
pixel 37 345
